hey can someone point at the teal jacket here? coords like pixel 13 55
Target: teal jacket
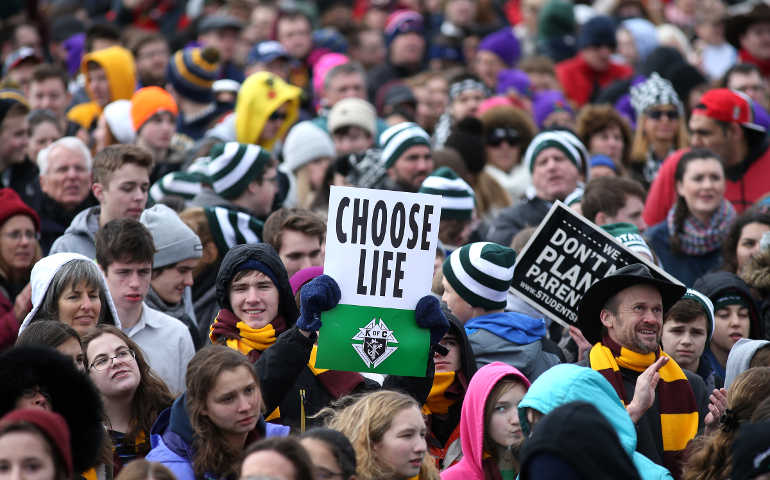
pixel 570 383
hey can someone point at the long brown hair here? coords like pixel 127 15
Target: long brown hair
pixel 213 453
pixel 151 397
pixel 711 457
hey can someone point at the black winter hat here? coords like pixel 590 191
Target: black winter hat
pixel 466 138
pixel 597 32
pixel 73 396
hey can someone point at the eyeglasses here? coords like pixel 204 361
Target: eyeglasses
pixel 102 362
pixel 275 116
pixel 657 114
pixel 17 235
pixel 500 135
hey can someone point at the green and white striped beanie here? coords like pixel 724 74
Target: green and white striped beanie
pixel 231 227
pixel 557 139
pixel 708 309
pixel 628 234
pixel 233 166
pixel 481 273
pixel 399 138
pixel 180 184
pixel 457 196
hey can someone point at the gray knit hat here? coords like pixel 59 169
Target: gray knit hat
pixel 458 199
pixel 306 142
pixel 656 90
pixel 481 273
pixel 399 138
pixel 233 166
pixel 231 227
pixel 174 240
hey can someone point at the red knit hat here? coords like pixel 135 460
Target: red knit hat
pixel 11 204
pixel 729 106
pixel 53 426
pixel 148 101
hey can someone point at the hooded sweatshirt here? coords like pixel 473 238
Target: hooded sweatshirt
pixel 118 65
pixel 471 466
pixel 512 338
pixel 41 277
pixel 80 235
pixel 259 96
pixel 569 383
pixel 740 358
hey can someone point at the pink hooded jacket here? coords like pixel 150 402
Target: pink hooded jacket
pixel 470 467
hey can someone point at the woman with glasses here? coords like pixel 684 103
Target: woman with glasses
pixel 660 127
pixel 70 288
pixel 19 250
pixel 132 394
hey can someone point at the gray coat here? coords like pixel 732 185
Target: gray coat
pixel 79 236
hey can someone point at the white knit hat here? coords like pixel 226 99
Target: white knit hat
pixel 305 143
pixel 118 117
pixel 353 112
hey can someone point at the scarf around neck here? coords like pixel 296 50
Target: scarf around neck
pixel 677 408
pixel 241 337
pixel 699 239
pixel 438 402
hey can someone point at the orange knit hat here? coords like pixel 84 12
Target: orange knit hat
pixel 148 101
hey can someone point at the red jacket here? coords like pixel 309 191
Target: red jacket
pixel 579 80
pixel 9 326
pixel 752 185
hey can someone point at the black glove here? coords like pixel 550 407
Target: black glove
pixel 320 295
pixel 428 315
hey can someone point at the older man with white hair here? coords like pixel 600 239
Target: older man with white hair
pixel 65 179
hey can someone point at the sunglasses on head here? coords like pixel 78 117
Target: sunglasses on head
pixel 500 135
pixel 658 114
pixel 277 116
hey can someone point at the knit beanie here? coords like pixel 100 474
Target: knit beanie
pixel 178 184
pixel 457 196
pixel 481 273
pixel 644 34
pixel 231 227
pixel 11 204
pixel 192 72
pixel 514 79
pixel 467 138
pixel 8 98
pixel 556 19
pixel 174 240
pixel 708 309
pixel 600 160
pixel 306 142
pixel 399 138
pixel 233 166
pixel 118 117
pixel 597 32
pixel 504 44
pixel 402 21
pixel 654 91
pixel 322 67
pixel 552 138
pixel 354 112
pixel 548 102
pixel 148 101
pixel 53 426
pixel 628 235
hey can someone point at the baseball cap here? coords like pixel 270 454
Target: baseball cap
pixel 266 52
pixel 18 56
pixel 216 22
pixel 727 105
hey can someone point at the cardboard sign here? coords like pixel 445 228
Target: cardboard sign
pixel 380 248
pixel 563 258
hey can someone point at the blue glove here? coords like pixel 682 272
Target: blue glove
pixel 320 295
pixel 428 314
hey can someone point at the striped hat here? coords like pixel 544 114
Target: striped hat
pixel 562 140
pixel 457 195
pixel 399 138
pixel 231 227
pixel 192 73
pixel 708 309
pixel 481 273
pixel 233 166
pixel 179 184
pixel 628 235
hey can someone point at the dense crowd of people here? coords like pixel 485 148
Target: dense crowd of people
pixel 165 177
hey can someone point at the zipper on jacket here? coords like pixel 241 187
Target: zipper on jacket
pixel 301 409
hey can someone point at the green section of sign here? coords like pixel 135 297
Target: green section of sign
pixel 372 339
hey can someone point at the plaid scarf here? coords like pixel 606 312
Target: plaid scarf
pixel 699 239
pixel 678 410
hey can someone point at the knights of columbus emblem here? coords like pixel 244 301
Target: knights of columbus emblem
pixel 374 349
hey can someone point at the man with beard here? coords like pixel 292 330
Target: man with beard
pixel 406 157
pixel 151 54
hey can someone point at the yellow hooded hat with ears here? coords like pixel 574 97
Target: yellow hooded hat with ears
pixel 260 95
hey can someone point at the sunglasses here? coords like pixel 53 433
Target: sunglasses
pixel 658 114
pixel 277 116
pixel 499 135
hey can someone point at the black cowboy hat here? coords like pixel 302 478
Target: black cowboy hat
pixel 600 292
pixel 736 25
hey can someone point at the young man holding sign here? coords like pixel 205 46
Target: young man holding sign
pixel 476 281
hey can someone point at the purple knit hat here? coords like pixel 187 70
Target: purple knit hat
pixel 402 21
pixel 513 79
pixel 503 44
pixel 546 103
